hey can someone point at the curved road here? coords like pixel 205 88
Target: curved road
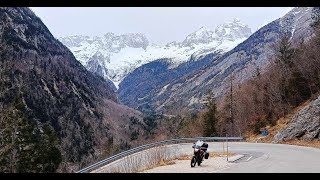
pixel 263 158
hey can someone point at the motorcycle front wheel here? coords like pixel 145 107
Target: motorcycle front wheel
pixel 193 161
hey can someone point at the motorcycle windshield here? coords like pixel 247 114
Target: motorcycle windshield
pixel 199 143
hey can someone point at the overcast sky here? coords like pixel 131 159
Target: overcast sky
pixel 160 24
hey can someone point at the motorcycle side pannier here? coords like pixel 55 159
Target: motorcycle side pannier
pixel 206 156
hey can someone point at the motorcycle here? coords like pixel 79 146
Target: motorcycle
pixel 199 152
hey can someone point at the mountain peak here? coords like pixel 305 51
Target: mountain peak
pixel 203 28
pixel 109 34
pixel 202 35
pixel 234 22
pixel 232 30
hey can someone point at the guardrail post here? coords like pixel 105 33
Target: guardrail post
pixel 223 146
pixel 227 150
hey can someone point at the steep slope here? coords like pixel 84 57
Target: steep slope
pixel 304 124
pixel 149 86
pixel 51 108
pixel 253 53
pixel 118 55
pixel 242 61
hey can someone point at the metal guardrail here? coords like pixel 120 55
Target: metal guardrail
pixel 151 145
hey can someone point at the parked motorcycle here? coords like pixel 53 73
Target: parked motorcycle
pixel 199 152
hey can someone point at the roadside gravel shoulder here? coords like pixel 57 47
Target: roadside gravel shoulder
pixel 209 165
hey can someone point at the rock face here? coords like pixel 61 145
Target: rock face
pixel 304 125
pixel 194 79
pixel 115 56
pixel 43 85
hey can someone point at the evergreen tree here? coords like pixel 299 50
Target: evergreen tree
pixel 284 52
pixel 24 145
pixel 294 87
pixel 210 117
pixel 315 17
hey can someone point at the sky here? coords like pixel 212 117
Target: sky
pixel 161 25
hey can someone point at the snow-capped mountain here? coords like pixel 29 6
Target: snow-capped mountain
pixel 155 86
pixel 114 56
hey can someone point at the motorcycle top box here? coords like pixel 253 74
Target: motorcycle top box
pixel 205 145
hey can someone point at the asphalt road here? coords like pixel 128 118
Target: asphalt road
pixel 274 158
pixel 258 158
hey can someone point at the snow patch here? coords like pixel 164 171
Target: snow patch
pixel 193 100
pixel 163 89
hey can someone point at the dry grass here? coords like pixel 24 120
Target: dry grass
pixel 281 124
pixel 221 154
pixel 314 143
pixel 272 131
pixel 165 163
pixel 147 159
pixel 161 163
pixel 211 154
pixel 148 168
pixel 184 158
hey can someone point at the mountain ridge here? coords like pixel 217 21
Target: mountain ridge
pixel 114 56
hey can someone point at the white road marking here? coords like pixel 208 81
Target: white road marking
pixel 249 158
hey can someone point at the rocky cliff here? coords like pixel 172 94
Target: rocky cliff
pixel 305 124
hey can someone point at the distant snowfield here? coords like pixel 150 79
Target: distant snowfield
pixel 118 55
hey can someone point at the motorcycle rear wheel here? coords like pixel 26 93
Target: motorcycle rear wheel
pixel 199 160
